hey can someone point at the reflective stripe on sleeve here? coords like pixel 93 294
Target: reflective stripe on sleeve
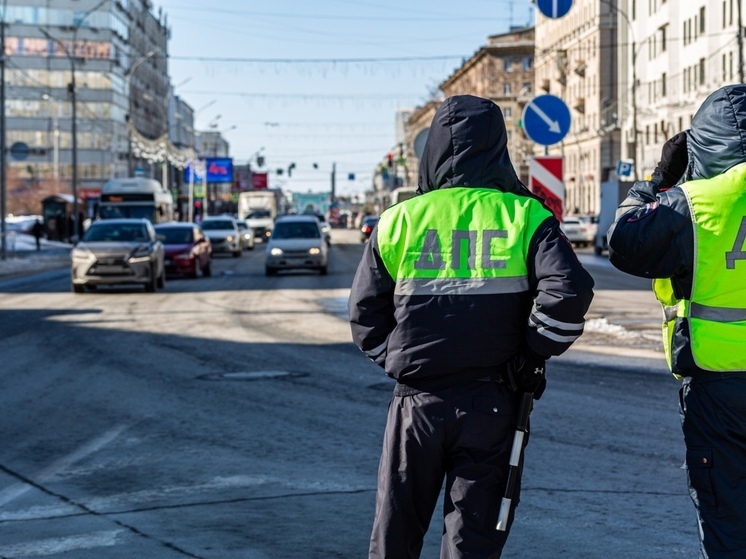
pixel 553 335
pixel 461 286
pixel 555 330
pixel 549 321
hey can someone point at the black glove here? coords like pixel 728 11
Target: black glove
pixel 527 373
pixel 673 163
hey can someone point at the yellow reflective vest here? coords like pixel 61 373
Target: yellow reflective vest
pixel 480 245
pixel 716 310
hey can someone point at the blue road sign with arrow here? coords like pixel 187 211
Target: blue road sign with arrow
pixel 546 120
pixel 554 8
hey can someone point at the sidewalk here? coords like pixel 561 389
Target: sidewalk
pixel 23 258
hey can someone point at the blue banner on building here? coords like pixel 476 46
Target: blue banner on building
pixel 219 169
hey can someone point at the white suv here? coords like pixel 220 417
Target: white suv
pixel 223 233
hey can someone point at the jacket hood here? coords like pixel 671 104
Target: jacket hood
pixel 467 145
pixel 716 140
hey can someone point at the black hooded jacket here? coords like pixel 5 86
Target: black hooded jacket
pixel 653 235
pixel 431 340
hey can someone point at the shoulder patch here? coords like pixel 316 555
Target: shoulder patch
pixel 644 211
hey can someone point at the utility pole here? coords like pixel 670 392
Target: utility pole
pixel 3 231
pixel 334 183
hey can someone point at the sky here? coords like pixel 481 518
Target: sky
pixel 319 83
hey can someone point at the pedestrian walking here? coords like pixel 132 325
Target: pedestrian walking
pixel 463 292
pixel 685 228
pixel 37 230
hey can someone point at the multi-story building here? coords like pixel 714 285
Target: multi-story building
pixel 576 60
pixel 673 54
pixel 101 41
pixel 503 71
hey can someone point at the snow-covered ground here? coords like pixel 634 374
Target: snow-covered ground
pixel 22 256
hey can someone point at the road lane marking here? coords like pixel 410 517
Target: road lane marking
pixel 17 489
pixel 52 546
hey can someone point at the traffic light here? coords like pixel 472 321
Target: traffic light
pixel 390 161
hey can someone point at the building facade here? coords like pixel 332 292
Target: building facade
pixel 46 40
pixel 677 53
pixel 576 60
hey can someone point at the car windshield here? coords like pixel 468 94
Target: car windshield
pixel 242 225
pixel 296 230
pixel 122 211
pixel 258 214
pixel 175 235
pixel 116 232
pixel 214 224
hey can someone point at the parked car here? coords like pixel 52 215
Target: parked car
pixel 223 234
pixel 297 242
pixel 118 251
pixel 187 250
pixel 247 234
pixel 577 231
pixel 326 229
pixel 369 222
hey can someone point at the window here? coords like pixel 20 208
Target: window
pixel 664 31
pixel 507 89
pixel 634 9
pixel 701 71
pixel 528 63
pixel 702 25
pixel 725 18
pixel 508 113
pixel 507 65
pixel 663 85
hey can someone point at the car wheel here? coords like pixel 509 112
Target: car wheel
pixel 236 253
pixel 78 288
pixel 270 271
pixel 152 285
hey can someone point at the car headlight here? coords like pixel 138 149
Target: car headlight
pixel 276 251
pixel 229 238
pixel 82 254
pixel 141 254
pixel 314 250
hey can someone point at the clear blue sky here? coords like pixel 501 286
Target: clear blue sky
pixel 320 82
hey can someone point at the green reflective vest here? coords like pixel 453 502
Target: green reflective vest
pixel 716 311
pixel 454 241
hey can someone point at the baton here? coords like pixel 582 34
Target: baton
pixel 521 429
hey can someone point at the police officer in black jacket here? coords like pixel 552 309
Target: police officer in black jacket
pixel 461 295
pixel 686 229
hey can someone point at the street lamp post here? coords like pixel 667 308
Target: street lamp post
pixel 74 129
pixel 3 245
pixel 128 77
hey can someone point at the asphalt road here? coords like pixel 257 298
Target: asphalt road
pixel 231 417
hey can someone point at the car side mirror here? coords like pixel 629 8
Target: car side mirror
pixel 160 238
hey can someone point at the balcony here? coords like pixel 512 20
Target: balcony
pixel 579 105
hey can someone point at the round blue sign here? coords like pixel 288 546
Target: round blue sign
pixel 554 8
pixel 19 151
pixel 546 120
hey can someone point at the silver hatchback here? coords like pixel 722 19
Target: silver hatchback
pixel 297 242
pixel 118 251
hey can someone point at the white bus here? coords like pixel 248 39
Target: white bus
pixel 136 197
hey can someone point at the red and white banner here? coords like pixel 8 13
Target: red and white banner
pixel 545 175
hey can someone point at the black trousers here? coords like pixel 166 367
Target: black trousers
pixel 462 435
pixel 713 419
